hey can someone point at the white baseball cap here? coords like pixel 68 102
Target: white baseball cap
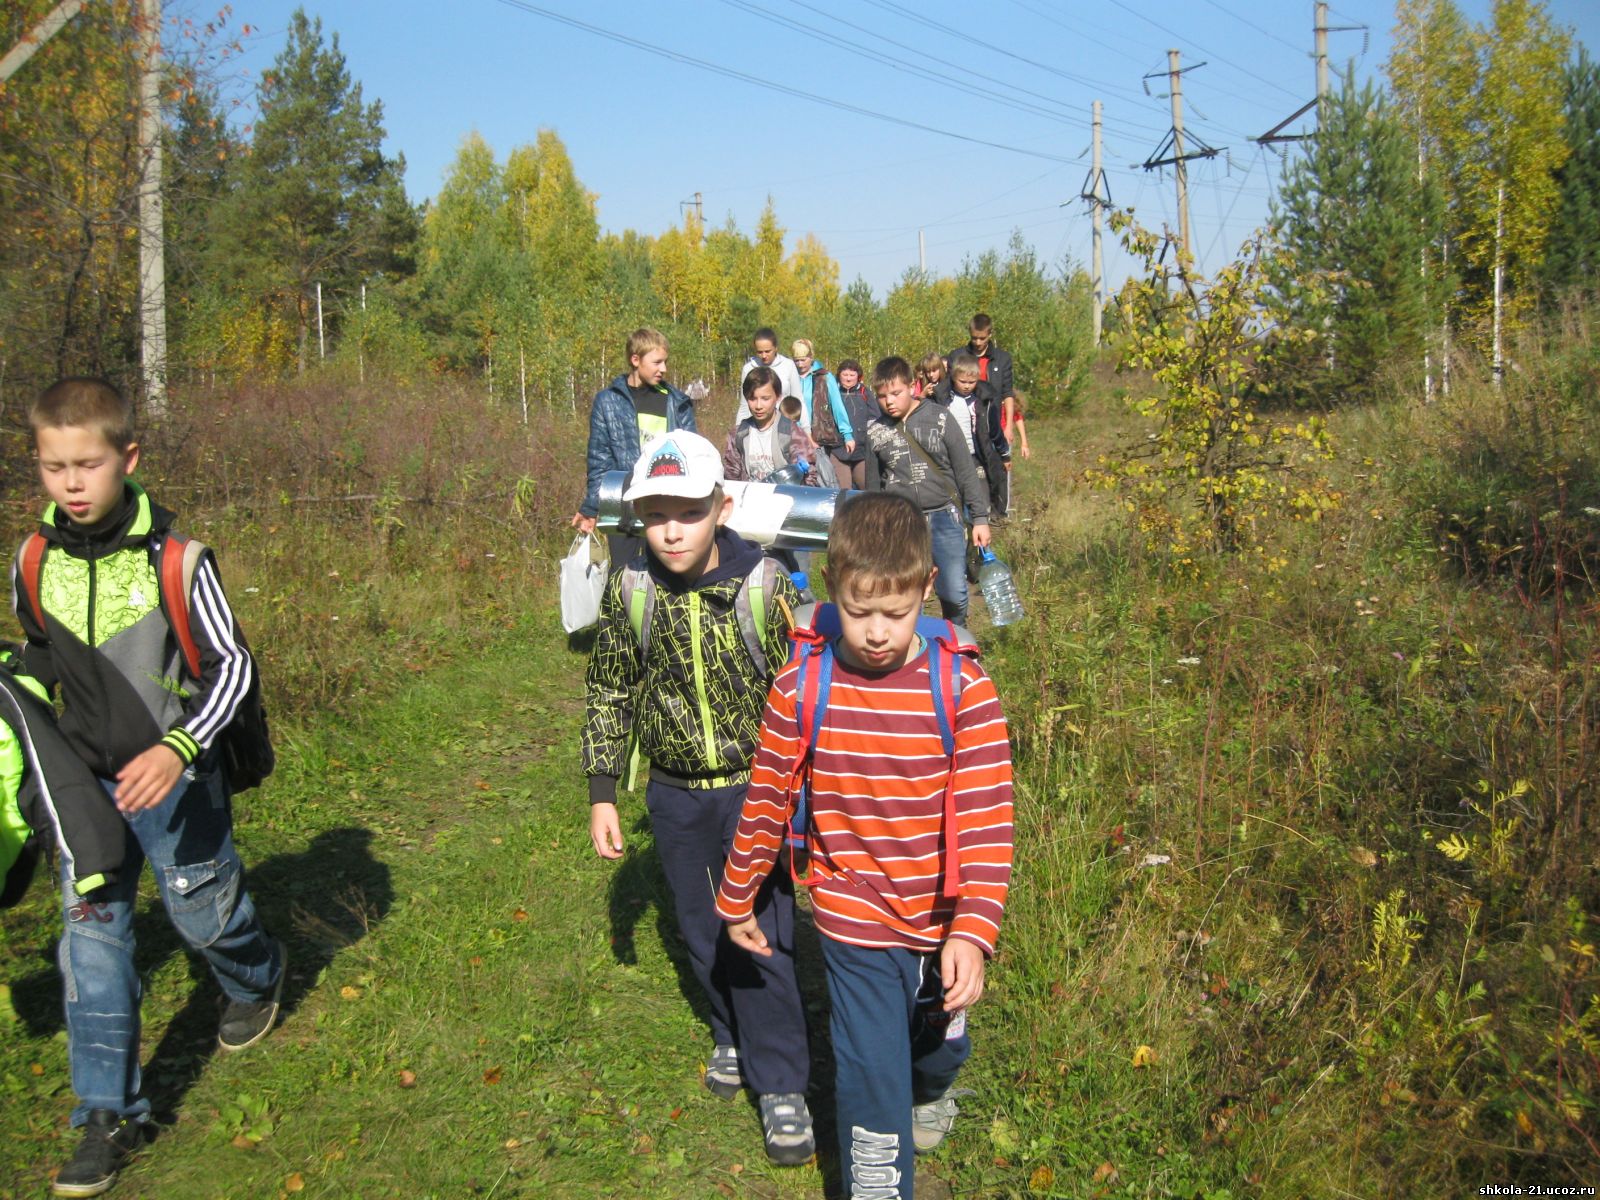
pixel 677 463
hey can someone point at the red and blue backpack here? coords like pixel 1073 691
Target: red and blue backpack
pixel 816 629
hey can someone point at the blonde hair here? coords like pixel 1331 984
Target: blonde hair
pixel 645 339
pixel 810 351
pixel 930 363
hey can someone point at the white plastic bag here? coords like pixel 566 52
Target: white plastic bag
pixel 583 582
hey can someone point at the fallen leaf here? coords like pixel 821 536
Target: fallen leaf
pixel 1042 1179
pixel 520 915
pixel 295 1183
pixel 1104 1173
pixel 492 1076
pixel 1363 857
pixel 475 961
pixel 408 1078
pixel 350 993
pixel 675 1114
pixel 1523 1123
pixel 481 784
pixel 1144 1056
pixel 736 1169
pixel 512 1143
pixel 36 1068
pixel 240 1142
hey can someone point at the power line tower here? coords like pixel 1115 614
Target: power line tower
pixel 1320 31
pixel 1172 153
pixel 1097 191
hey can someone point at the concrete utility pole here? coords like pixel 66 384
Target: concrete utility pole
pixel 922 252
pixel 1179 158
pixel 1098 193
pixel 1181 170
pixel 1321 32
pixel 152 227
pixel 41 33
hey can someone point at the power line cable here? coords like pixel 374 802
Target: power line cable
pixel 987 80
pixel 988 94
pixel 1253 75
pixel 1086 81
pixel 1243 20
pixel 730 73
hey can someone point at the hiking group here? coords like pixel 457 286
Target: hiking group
pixel 861 734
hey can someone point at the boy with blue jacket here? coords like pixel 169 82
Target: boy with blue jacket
pixel 626 413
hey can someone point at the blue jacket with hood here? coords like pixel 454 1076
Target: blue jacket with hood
pixel 614 440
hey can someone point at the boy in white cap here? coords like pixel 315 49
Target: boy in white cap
pixel 691 633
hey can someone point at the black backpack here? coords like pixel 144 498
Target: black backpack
pixel 245 745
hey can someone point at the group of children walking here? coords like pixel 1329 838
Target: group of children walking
pixel 878 724
pixel 706 662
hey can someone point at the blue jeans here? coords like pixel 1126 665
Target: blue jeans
pixel 188 840
pixel 950 556
pixel 894 1046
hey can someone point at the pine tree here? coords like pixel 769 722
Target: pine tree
pixel 1572 256
pixel 1355 218
pixel 315 200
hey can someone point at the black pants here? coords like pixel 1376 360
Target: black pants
pixel 755 1002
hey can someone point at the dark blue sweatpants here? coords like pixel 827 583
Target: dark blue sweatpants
pixel 755 1001
pixel 894 1046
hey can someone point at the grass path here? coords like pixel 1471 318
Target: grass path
pixel 478 1005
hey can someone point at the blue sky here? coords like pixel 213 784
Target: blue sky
pixel 646 132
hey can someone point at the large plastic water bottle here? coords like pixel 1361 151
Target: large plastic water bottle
pixel 999 589
pixel 794 474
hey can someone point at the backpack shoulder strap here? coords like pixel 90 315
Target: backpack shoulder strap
pixel 639 599
pixel 30 565
pixel 946 648
pixel 750 609
pixel 178 559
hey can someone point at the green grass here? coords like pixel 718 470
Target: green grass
pixel 1219 781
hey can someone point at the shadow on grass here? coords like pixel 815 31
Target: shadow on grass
pixel 318 900
pixel 639 884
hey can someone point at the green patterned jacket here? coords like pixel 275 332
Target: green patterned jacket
pixel 696 705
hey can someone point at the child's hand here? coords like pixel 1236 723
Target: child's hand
pixel 850 446
pixel 146 780
pixel 961 967
pixel 1026 453
pixel 605 831
pixel 980 536
pixel 584 524
pixel 747 935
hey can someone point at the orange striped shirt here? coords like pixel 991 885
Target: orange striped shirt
pixel 877 809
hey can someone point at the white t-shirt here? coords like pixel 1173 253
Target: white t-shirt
pixel 761 452
pixel 961 410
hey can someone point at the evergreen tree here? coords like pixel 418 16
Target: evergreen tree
pixel 1572 257
pixel 315 200
pixel 1356 221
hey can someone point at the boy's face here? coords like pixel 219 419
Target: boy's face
pixel 766 351
pixel 879 628
pixel 763 403
pixel 896 399
pixel 980 341
pixel 682 532
pixel 964 384
pixel 651 367
pixel 848 378
pixel 82 472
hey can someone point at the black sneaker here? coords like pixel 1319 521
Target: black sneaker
pixel 786 1128
pixel 723 1077
pixel 246 1022
pixel 108 1142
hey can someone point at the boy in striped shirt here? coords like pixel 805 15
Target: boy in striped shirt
pixel 907 927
